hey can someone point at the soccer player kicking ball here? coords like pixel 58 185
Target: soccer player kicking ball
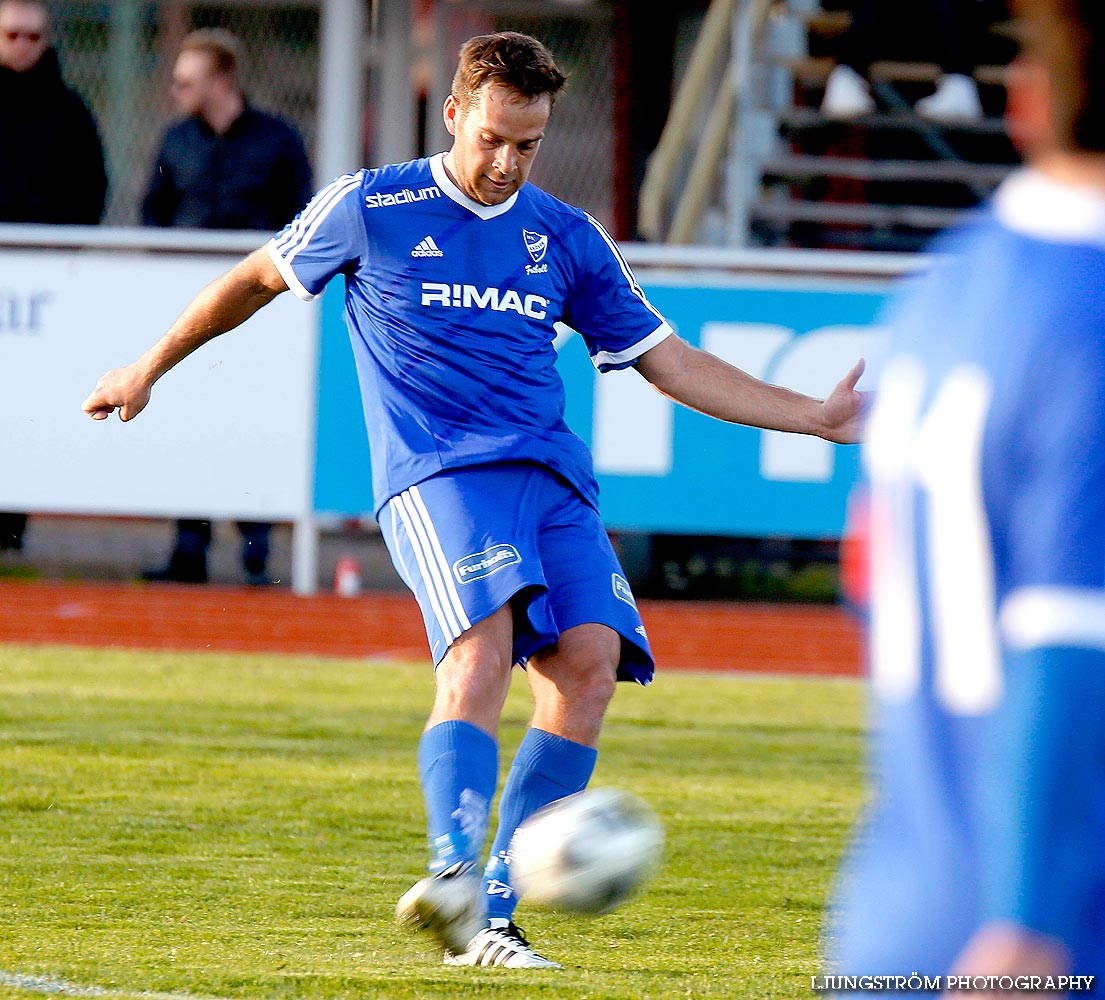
pixel 456 271
pixel 980 866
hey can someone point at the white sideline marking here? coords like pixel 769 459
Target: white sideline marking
pixel 60 988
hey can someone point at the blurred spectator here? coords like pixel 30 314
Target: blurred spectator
pixel 51 160
pixel 950 27
pixel 226 165
pixel 49 143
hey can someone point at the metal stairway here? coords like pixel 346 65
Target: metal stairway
pixel 791 178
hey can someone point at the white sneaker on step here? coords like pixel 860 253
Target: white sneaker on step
pixel 955 100
pixel 847 95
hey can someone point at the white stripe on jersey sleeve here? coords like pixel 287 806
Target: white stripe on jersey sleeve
pixel 1034 617
pixel 291 279
pixel 283 247
pixel 323 201
pixel 318 216
pixel 615 358
pixel 662 332
pixel 627 271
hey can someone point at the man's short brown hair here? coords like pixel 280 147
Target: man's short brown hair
pixel 1067 38
pixel 509 59
pixel 219 45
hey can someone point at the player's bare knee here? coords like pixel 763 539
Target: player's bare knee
pixel 582 681
pixel 471 685
pixel 599 682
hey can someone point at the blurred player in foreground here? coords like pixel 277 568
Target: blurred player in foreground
pixel 455 272
pixel 982 855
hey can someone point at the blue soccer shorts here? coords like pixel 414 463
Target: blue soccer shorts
pixel 467 541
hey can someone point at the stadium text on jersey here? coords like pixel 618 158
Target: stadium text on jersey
pixel 404 197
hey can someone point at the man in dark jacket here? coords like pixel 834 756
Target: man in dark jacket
pixel 226 165
pixel 51 160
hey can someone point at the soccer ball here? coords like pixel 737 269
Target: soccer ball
pixel 586 853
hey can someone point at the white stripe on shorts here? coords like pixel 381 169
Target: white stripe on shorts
pixel 449 627
pixel 444 599
pixel 439 553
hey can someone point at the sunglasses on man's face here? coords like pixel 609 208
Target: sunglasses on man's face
pixel 31 36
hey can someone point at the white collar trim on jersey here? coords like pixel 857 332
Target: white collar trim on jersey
pixel 437 168
pixel 1031 203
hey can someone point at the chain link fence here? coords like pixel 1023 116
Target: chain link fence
pixel 580 166
pixel 118 54
pixel 577 163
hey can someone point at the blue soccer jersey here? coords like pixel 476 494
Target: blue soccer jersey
pixel 986 465
pixel 451 307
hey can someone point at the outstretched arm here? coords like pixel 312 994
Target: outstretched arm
pixel 224 304
pixel 705 383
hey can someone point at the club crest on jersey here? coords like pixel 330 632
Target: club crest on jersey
pixel 481 564
pixel 536 244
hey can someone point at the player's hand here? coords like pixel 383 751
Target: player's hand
pixel 1005 950
pixel 124 389
pixel 843 411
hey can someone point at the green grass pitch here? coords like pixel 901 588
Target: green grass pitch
pixel 241 827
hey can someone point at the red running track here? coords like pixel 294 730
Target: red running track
pixel 764 638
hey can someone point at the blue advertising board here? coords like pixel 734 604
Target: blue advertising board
pixel 663 468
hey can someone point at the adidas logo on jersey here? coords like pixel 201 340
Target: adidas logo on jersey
pixel 427 248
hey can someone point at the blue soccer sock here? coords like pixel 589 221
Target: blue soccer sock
pixel 458 765
pixel 546 768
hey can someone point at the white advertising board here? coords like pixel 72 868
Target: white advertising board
pixel 228 433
